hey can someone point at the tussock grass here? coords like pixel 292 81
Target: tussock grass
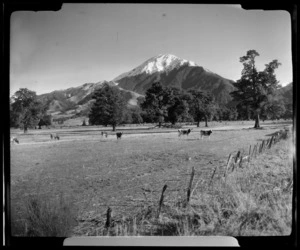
pixel 44 217
pixel 253 201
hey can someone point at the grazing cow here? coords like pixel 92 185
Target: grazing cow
pixel 184 132
pixel 119 135
pixel 205 133
pixel 104 134
pixel 56 137
pixel 14 140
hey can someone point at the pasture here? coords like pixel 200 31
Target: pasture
pixel 93 172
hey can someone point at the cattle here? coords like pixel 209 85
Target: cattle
pixel 184 132
pixel 104 134
pixel 14 140
pixel 204 133
pixel 54 136
pixel 119 135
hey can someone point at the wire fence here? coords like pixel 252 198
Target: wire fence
pixel 235 160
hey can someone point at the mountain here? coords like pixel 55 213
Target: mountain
pixel 170 70
pixel 286 93
pixel 77 100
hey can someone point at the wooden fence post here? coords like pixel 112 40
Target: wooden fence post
pixel 211 179
pixel 190 185
pixel 256 149
pixel 241 161
pixel 108 218
pixel 249 154
pixel 228 164
pixel 237 156
pixel 253 151
pixel 161 200
pixel 271 141
pixel 262 146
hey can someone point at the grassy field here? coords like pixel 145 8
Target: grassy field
pixel 78 177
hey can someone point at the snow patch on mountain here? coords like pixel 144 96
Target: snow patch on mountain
pixel 160 63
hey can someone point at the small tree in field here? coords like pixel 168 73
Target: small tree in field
pixel 109 107
pixel 255 89
pixel 26 110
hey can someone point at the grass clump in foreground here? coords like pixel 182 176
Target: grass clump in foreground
pixel 253 201
pixel 44 217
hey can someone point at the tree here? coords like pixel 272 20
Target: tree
pixel 178 109
pixel 136 115
pixel 288 114
pixel 45 120
pixel 109 107
pixel 275 109
pixel 202 106
pixel 255 88
pixel 156 103
pixel 26 110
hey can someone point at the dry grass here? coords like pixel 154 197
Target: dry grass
pixel 252 202
pixel 100 172
pixel 43 217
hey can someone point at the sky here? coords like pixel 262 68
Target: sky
pixel 88 43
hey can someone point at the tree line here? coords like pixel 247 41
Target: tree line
pixel 254 98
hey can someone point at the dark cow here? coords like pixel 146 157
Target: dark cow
pixel 184 132
pixel 14 140
pixel 54 136
pixel 104 134
pixel 205 133
pixel 119 135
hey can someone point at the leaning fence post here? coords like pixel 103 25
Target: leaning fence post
pixel 267 143
pixel 227 166
pixel 190 185
pixel 161 200
pixel 270 144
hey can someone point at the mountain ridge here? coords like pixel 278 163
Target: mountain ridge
pixel 168 69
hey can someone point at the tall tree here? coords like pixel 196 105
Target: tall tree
pixel 156 103
pixel 178 110
pixel 202 106
pixel 109 107
pixel 255 88
pixel 26 110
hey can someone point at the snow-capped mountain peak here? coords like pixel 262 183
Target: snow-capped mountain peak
pixel 160 63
